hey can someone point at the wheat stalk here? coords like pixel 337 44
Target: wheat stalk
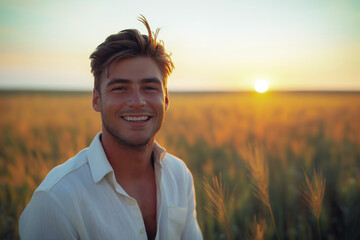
pixel 313 195
pixel 259 176
pixel 258 229
pixel 221 202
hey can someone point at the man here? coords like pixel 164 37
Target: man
pixel 124 186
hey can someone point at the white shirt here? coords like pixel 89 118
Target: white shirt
pixel 81 199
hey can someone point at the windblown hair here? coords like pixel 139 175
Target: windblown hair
pixel 126 44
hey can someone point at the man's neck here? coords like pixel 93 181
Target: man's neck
pixel 129 163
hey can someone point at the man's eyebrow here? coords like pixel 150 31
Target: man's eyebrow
pixel 151 80
pixel 127 81
pixel 117 80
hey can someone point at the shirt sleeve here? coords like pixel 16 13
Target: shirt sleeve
pixel 44 218
pixel 191 229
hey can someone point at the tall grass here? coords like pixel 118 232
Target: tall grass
pixel 257 165
pixel 221 202
pixel 258 229
pixel 298 131
pixel 313 195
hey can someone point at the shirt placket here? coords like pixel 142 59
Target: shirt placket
pixel 132 203
pixel 158 177
pixel 135 210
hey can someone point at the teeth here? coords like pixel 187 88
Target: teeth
pixel 136 119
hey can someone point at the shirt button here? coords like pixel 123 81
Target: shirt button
pixel 142 231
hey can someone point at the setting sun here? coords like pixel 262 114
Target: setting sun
pixel 261 86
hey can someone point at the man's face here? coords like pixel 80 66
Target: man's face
pixel 132 101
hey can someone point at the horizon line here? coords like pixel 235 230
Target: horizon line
pixel 83 91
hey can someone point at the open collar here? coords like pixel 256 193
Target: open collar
pixel 99 164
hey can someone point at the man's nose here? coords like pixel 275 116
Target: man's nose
pixel 136 99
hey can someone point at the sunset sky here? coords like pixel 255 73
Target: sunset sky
pixel 215 45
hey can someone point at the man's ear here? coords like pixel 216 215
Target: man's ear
pixel 96 100
pixel 167 102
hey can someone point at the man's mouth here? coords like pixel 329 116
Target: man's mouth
pixel 135 118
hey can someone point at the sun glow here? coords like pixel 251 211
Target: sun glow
pixel 261 86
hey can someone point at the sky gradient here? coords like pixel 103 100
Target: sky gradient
pixel 215 45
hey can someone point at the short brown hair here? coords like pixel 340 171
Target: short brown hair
pixel 130 43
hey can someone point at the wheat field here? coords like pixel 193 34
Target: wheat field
pixel 297 132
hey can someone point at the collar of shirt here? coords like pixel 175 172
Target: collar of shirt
pixel 100 166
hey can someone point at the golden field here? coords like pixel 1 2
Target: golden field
pixel 299 132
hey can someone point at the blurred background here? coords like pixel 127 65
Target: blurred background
pixel 282 77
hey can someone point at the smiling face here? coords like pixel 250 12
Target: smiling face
pixel 132 100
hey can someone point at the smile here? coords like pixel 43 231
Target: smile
pixel 136 118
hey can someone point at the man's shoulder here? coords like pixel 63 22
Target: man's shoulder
pixel 64 171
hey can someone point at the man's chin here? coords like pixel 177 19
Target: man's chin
pixel 134 143
pixel 133 140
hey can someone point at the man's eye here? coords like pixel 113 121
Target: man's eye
pixel 119 89
pixel 150 88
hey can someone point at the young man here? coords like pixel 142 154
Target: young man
pixel 124 186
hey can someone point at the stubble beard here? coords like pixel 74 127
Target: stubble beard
pixel 116 134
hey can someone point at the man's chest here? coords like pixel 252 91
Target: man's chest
pixel 108 212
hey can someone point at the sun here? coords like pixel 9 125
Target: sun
pixel 261 86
